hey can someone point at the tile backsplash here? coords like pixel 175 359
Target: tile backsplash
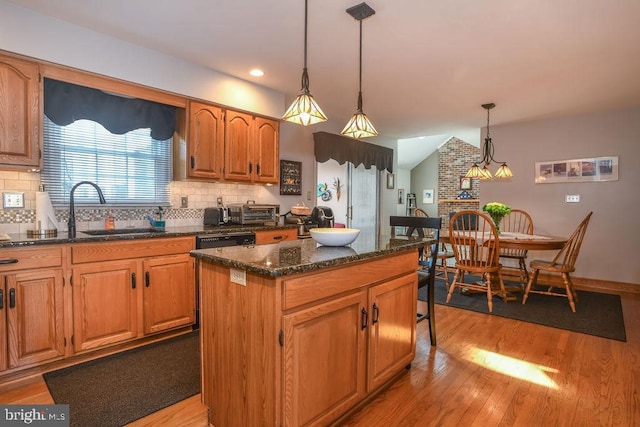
pixel 200 195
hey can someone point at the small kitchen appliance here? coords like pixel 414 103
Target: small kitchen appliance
pixel 304 223
pixel 216 216
pixel 252 213
pixel 323 216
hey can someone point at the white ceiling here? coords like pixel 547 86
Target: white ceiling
pixel 427 65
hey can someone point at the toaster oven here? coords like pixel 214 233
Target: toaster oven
pixel 251 213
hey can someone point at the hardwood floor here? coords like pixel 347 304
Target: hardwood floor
pixel 486 370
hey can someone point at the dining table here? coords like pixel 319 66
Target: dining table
pixel 514 240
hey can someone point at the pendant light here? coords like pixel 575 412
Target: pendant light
pixel 487 157
pixel 359 126
pixel 304 110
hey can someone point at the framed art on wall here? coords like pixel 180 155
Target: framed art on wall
pixel 401 196
pixel 391 182
pixel 465 183
pixel 290 178
pixel 577 170
pixel 427 196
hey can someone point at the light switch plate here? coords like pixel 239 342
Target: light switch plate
pixel 572 198
pixel 13 200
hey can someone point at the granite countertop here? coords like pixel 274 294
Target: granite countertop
pixel 21 239
pixel 300 256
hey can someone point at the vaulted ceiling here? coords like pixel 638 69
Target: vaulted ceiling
pixel 427 65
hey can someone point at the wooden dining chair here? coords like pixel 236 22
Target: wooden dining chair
pixel 476 248
pixel 518 221
pixel 444 254
pixel 563 263
pixel 423 227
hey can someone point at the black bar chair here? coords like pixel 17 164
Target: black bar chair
pixel 427 259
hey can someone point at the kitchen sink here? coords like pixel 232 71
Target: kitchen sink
pixel 121 231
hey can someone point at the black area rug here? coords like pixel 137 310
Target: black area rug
pixel 596 313
pixel 119 389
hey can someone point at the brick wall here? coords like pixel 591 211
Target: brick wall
pixel 455 159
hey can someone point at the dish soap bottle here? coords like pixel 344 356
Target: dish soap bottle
pixel 110 221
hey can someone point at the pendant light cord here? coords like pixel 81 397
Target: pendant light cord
pixel 305 74
pixel 360 73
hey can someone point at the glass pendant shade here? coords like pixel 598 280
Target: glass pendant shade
pixel 359 127
pixel 504 171
pixel 304 110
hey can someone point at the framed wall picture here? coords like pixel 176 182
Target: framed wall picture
pixel 290 178
pixel 391 181
pixel 465 183
pixel 577 170
pixel 401 196
pixel 427 196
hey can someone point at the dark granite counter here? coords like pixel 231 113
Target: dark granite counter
pixel 21 240
pixel 300 256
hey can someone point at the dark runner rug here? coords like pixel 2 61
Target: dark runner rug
pixel 118 389
pixel 596 313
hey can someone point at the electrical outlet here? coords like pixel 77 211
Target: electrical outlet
pixel 184 202
pixel 572 198
pixel 13 200
pixel 308 195
pixel 238 276
pixel 219 201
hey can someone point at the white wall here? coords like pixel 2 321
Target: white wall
pixel 610 248
pixel 425 176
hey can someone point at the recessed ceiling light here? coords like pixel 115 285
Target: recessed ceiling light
pixel 256 72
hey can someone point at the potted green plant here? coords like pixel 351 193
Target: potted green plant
pixel 496 211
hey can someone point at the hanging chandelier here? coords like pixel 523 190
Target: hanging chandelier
pixel 487 157
pixel 304 110
pixel 359 126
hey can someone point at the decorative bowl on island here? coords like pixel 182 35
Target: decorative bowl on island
pixel 334 236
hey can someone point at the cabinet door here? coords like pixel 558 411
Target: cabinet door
pixel 392 340
pixel 324 360
pixel 238 158
pixel 19 108
pixel 105 297
pixel 168 293
pixel 265 149
pixel 205 141
pixel 34 307
pixel 276 236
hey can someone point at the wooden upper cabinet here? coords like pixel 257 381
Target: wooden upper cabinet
pixel 19 111
pixel 206 141
pixel 266 155
pixel 239 132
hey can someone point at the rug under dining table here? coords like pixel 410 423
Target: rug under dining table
pixel 596 313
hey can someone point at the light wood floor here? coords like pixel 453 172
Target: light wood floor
pixel 486 370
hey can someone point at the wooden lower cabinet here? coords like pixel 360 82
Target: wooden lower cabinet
pixel 31 318
pixel 31 306
pixel 116 300
pixel 276 236
pixel 105 304
pixel 307 348
pixel 168 293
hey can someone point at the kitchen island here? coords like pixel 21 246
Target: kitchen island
pixel 300 334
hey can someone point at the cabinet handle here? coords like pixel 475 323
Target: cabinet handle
pixel 250 167
pixel 376 313
pixel 146 279
pixel 193 162
pixel 133 280
pixel 12 298
pixel 1 299
pixel 257 168
pixel 364 318
pixel 9 261
pixel 278 237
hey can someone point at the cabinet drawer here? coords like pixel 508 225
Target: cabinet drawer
pixel 306 288
pixel 276 236
pixel 127 249
pixel 28 258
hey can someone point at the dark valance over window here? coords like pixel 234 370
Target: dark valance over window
pixel 64 103
pixel 342 149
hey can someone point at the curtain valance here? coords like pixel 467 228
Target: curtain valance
pixel 343 149
pixel 64 103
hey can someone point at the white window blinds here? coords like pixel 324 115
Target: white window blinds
pixel 131 169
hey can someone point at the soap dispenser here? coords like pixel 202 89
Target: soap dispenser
pixel 110 221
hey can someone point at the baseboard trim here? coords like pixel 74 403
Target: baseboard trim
pixel 605 286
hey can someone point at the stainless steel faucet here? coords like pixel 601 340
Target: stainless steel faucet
pixel 72 214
